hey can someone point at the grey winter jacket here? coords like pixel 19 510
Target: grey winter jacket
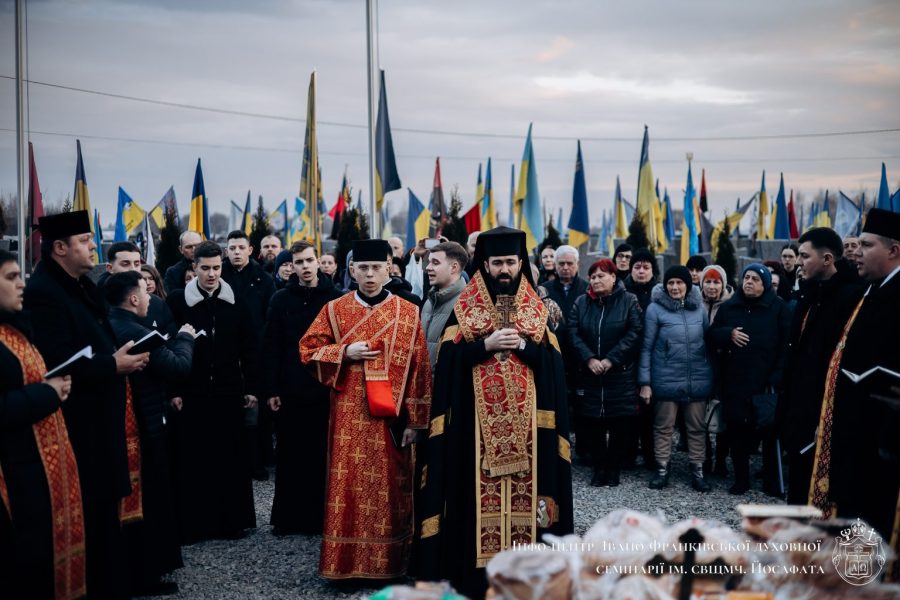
pixel 673 356
pixel 436 311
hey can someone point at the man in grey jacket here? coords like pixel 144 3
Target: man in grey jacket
pixel 445 266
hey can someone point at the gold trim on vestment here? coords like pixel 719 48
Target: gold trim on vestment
pixel 546 419
pixel 554 341
pixel 565 451
pixel 431 526
pixel 437 427
pixel 450 333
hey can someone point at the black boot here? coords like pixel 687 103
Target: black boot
pixel 697 480
pixel 661 479
pixel 613 477
pixel 599 478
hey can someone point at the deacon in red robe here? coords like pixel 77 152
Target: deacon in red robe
pixel 369 348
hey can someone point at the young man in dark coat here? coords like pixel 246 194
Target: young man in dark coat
pixel 299 402
pixel 215 494
pixel 68 313
pixel 153 543
pixel 751 329
pixel 41 518
pixel 826 297
pixel 857 476
pixel 250 282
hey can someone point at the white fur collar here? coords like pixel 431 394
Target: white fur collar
pixel 193 297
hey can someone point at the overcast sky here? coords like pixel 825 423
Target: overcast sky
pixel 576 69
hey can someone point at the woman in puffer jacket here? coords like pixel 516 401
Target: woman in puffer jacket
pixel 605 326
pixel 674 371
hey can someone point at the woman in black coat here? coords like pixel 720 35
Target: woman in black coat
pixel 605 328
pixel 751 331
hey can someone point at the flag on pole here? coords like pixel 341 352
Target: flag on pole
pixel 823 215
pixel 733 220
pixel 647 201
pixel 235 218
pixel 510 216
pixel 488 209
pixel 81 198
pixel 128 216
pixel 792 218
pixel 247 217
pixel 689 243
pixel 387 179
pixel 782 225
pixel 669 220
pixel 436 202
pixel 884 194
pixel 298 225
pixel 311 173
pixel 704 204
pixel 150 247
pixel 418 221
pixel 199 219
pixel 472 218
pixel 340 207
pixel 166 203
pixel 386 230
pixel 846 216
pixel 479 189
pixel 35 208
pixel 528 200
pixel 621 221
pixel 762 232
pixel 278 220
pixel 98 237
pixel 579 221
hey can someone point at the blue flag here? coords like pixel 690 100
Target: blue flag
pixel 884 195
pixel 782 225
pixel 579 222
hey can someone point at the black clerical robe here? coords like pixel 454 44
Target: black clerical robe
pixel 496 465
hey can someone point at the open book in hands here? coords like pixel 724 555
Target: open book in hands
pixel 65 368
pixel 149 342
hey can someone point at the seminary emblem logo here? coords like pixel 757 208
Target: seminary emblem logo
pixel 858 554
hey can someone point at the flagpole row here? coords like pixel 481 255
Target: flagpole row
pixel 21 137
pixel 374 216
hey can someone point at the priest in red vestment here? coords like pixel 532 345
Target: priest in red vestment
pixel 369 348
pixel 497 463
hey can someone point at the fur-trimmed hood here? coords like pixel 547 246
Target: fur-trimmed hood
pixel 692 301
pixel 193 296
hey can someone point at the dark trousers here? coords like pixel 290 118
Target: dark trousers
pixel 744 438
pixel 107 571
pixel 800 475
pixel 609 453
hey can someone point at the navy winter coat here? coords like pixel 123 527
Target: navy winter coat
pixel 673 357
pixel 609 328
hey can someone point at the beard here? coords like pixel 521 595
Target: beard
pixel 504 285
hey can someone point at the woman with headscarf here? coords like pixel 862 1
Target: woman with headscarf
pixel 675 372
pixel 751 329
pixel 605 326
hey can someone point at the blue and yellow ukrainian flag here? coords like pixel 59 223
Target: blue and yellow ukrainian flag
pixel 762 232
pixel 488 209
pixel 98 237
pixel 387 179
pixel 647 200
pixel 278 220
pixel 782 230
pixel 418 221
pixel 247 217
pixel 166 203
pixel 81 197
pixel 479 191
pixel 670 222
pixel 311 175
pixel 689 243
pixel 128 216
pixel 199 218
pixel 579 222
pixel 620 228
pixel 529 217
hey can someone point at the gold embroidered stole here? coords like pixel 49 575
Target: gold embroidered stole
pixel 505 421
pixel 58 459
pixel 389 327
pixel 131 507
pixel 820 482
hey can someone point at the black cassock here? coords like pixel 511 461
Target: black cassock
pixel 447 517
pixel 214 496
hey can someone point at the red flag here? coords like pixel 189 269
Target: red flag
pixel 704 206
pixel 472 218
pixel 437 206
pixel 792 218
pixel 35 207
pixel 337 211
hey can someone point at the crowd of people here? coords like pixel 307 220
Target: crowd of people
pixel 416 403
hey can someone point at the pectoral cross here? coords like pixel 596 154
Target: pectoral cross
pixel 506 308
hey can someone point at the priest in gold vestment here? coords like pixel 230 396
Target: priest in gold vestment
pixel 369 348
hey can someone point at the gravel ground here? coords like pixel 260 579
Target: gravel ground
pixel 263 566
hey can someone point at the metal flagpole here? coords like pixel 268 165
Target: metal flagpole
pixel 374 216
pixel 21 138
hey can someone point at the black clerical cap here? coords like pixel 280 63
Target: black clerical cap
pixel 502 241
pixel 65 224
pixel 883 222
pixel 371 250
